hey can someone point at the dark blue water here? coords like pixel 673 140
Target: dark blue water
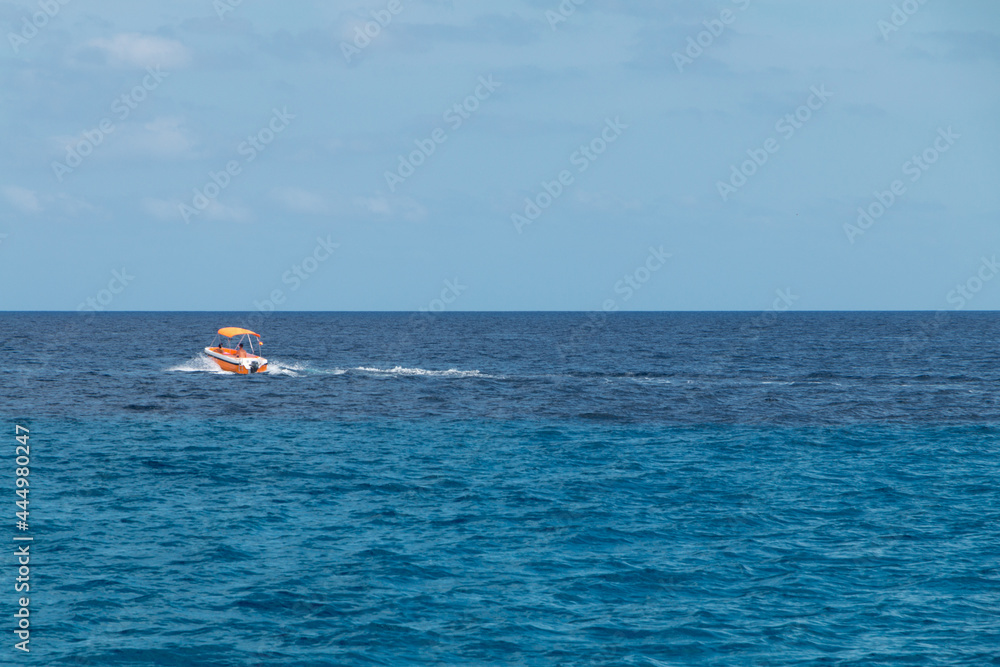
pixel 640 489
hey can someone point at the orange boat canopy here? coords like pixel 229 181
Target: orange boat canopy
pixel 229 332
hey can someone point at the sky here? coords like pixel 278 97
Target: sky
pixel 506 155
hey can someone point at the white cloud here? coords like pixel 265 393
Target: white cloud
pixel 376 205
pixel 72 206
pixel 31 202
pixel 301 201
pixel 23 199
pixel 161 137
pixel 163 209
pixel 135 50
pixel 605 201
pixel 226 213
pixel 380 206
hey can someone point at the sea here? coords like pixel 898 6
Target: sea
pixel 642 489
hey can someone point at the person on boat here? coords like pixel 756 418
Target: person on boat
pixel 241 353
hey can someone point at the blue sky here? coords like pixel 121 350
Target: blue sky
pixel 212 155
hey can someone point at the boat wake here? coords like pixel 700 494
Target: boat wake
pixel 202 364
pixel 399 370
pixel 299 369
pixel 295 369
pixel 198 364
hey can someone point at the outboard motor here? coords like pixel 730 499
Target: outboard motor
pixel 254 366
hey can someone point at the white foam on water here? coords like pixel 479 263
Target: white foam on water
pixel 277 368
pixel 400 371
pixel 202 364
pixel 653 380
pixel 297 369
pixel 197 364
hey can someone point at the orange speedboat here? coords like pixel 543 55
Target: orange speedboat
pixel 234 351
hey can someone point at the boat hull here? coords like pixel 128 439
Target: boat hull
pixel 228 361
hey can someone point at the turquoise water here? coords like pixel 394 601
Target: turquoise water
pixel 699 489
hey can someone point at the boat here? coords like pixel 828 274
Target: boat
pixel 234 351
